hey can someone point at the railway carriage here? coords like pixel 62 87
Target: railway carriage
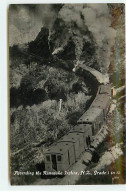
pixel 105 89
pixel 94 118
pixel 59 157
pixel 102 101
pixel 76 139
pixel 86 132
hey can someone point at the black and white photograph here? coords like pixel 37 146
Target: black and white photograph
pixel 67 94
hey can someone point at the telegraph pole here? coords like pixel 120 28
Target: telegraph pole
pixel 60 105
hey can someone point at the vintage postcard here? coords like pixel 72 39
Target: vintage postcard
pixel 67 94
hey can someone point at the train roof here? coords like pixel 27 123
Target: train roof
pixel 70 137
pixel 105 89
pixel 101 101
pixel 80 128
pixel 59 148
pixel 90 115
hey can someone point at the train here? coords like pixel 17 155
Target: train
pixel 67 150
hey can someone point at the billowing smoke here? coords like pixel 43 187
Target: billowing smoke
pixel 26 21
pixel 71 14
pixel 96 19
pixel 88 25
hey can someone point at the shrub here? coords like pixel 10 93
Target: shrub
pixel 76 87
pixel 73 117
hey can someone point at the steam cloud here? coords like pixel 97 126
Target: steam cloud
pixel 27 20
pixel 97 19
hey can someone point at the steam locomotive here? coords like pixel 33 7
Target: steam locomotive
pixel 66 151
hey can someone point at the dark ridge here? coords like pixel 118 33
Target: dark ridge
pixel 39 46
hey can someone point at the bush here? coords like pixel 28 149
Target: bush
pixel 73 117
pixel 76 87
pixel 28 83
pixel 39 95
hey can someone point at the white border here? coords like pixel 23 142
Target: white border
pixel 4 181
pixel 59 1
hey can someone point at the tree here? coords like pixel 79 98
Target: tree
pixel 28 83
